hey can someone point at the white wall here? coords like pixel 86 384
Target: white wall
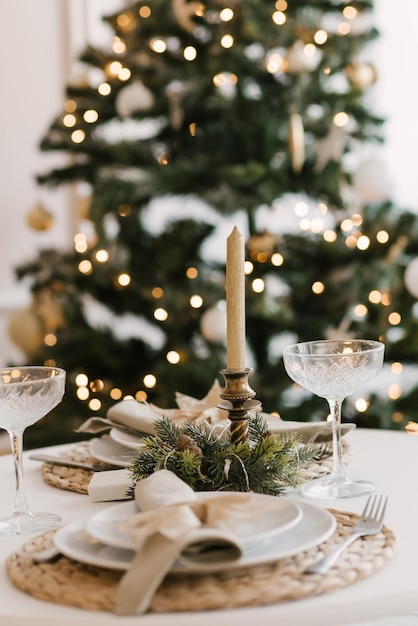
pixel 38 41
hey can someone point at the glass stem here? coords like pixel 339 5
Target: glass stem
pixel 16 440
pixel 337 463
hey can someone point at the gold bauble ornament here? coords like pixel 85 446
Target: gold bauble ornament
pixel 48 306
pixel 39 218
pixel 26 330
pixel 362 75
pixel 296 142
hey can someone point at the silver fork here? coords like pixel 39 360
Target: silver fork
pixel 369 523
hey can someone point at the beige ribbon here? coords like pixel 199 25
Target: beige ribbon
pixel 191 529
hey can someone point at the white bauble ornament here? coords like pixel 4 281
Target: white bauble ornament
pixel 372 181
pixel 213 323
pixel 134 97
pixel 298 61
pixel 411 277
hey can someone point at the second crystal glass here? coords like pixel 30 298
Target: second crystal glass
pixel 334 370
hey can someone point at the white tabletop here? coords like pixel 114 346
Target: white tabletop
pixel 390 459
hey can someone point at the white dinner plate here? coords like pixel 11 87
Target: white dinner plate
pixel 316 526
pixel 126 439
pixel 110 525
pixel 106 450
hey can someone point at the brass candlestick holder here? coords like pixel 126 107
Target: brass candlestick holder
pixel 238 401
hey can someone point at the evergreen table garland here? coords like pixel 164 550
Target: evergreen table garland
pixel 265 463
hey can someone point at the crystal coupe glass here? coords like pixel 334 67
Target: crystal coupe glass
pixel 333 370
pixel 26 395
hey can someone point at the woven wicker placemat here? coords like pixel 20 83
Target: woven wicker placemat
pixel 71 583
pixel 74 479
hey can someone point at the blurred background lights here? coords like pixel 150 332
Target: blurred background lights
pixel 344 28
pixel 50 339
pixel 396 368
pixel 96 385
pixel 149 381
pixel 382 236
pixel 227 41
pixel 173 357
pixel 78 136
pixel 80 242
pixel 123 279
pixel 196 301
pixel 85 267
pixel 81 380
pixel 102 256
pixel 279 18
pixel 226 15
pixel 360 310
pixel 375 296
pixel 83 393
pixel 190 53
pixel 258 285
pixel 318 287
pixel 394 318
pixel 361 405
pixel 277 259
pixel 144 11
pixel 90 116
pixel 115 393
pixel 160 314
pixel 104 89
pixel 69 120
pixel 363 242
pixel 95 404
pixel 350 12
pixel 248 268
pixel 192 273
pixel 158 45
pixel 340 119
pixel 157 293
pixel 320 37
pixel 330 236
pixel 394 391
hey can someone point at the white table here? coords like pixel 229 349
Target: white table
pixel 388 458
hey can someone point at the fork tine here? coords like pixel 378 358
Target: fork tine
pixel 375 507
pixel 367 509
pixel 381 515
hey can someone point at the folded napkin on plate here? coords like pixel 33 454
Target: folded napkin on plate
pixel 110 486
pixel 140 417
pixel 174 523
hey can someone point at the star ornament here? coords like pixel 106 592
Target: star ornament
pixel 331 147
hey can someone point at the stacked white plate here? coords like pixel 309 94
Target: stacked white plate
pixel 288 528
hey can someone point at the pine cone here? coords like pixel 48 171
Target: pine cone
pixel 184 442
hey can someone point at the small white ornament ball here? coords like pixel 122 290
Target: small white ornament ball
pixel 134 97
pixel 213 323
pixel 372 181
pixel 411 277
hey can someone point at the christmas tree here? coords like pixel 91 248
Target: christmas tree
pixel 197 117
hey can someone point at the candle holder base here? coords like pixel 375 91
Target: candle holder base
pixel 238 401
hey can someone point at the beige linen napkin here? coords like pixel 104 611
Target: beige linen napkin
pixel 309 432
pixel 175 523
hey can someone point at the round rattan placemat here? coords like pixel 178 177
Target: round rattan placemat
pixel 72 583
pixel 74 479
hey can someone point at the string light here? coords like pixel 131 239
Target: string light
pixel 158 45
pixel 192 273
pixel 190 53
pixel 69 120
pixel 277 259
pixel 145 12
pixel 50 339
pixel 95 404
pixel 123 279
pixel 330 236
pixel 78 136
pixel 85 267
pixel 157 292
pixel 149 381
pixel 104 89
pixel 394 318
pixel 318 287
pixel 226 15
pixel 160 314
pixel 173 357
pixel 90 116
pixel 196 301
pixel 279 18
pixel 227 41
pixel 361 405
pixel 258 285
pixel 102 256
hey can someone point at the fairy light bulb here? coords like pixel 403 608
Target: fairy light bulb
pixel 50 340
pixel 83 393
pixel 124 74
pixel 382 236
pixel 361 405
pixel 123 279
pixel 277 259
pixel 115 393
pixel 80 242
pixel 394 391
pixel 196 301
pixel 360 310
pixel 190 53
pixel 144 12
pixel 320 37
pixel 102 256
pixel 95 404
pixel 157 292
pixel 118 46
pixel 396 368
pixel 96 385
pixel 340 119
pixel 158 45
pixel 258 285
pixel 114 67
pixel 78 136
pixel 330 236
pixel 248 268
pixel 346 225
pixel 318 287
pixel 227 41
pixel 90 116
pixel 104 89
pixel 343 29
pixel 394 318
pixel 350 12
pixel 70 106
pixel 85 267
pixel 363 242
pixel 301 209
pixel 226 15
pixel 149 381
pixel 279 18
pixel 69 120
pixel 192 273
pixel 160 314
pixel 375 296
pixel 173 357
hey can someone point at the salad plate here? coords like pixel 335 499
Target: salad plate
pixel 109 451
pixel 111 526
